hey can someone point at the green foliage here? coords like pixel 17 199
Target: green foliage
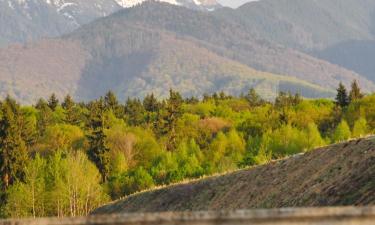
pixel 342 132
pixel 313 137
pixel 44 116
pixel 355 93
pixel 342 98
pixel 59 185
pixel 73 114
pixel 28 198
pixel 150 103
pixel 188 157
pixel 53 102
pixel 29 127
pixel 66 161
pixel 360 128
pixel 264 154
pixel 63 137
pixel 135 112
pixel 133 181
pixel 13 152
pixel 225 152
pixel 98 152
pixel 254 98
pixel 287 140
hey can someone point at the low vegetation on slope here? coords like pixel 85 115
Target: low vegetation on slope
pixel 342 174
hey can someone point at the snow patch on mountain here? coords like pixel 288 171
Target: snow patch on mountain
pixel 186 3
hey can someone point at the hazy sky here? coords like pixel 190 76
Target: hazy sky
pixel 234 3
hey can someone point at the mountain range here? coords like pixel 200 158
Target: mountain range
pixel 268 45
pixel 339 31
pixel 28 20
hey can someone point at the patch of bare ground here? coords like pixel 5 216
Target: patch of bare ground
pixel 337 175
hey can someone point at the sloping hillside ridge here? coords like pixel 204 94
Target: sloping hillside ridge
pixel 230 39
pixel 131 60
pixel 337 31
pixel 337 175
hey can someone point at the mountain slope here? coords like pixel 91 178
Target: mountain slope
pixel 28 20
pixel 132 61
pixel 336 175
pixel 306 24
pixel 157 46
pixel 338 31
pixel 193 4
pixel 356 55
pixel 231 40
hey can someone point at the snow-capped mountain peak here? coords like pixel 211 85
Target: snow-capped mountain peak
pixel 187 3
pixel 28 20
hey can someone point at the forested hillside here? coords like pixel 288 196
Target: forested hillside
pixel 155 47
pixel 338 31
pixel 31 20
pixel 305 24
pixel 66 159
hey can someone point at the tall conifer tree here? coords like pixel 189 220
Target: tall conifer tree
pixel 355 92
pixel 98 151
pixel 53 102
pixel 13 153
pixel 342 98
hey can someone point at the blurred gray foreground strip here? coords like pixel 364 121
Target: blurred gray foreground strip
pixel 300 216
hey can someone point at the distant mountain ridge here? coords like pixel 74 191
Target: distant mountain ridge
pixel 339 31
pixel 156 46
pixel 194 4
pixel 306 24
pixel 28 20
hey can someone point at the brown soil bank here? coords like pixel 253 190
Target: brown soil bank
pixel 338 175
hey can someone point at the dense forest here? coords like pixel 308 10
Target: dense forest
pixel 66 158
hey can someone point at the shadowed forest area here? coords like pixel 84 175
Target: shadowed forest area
pixel 67 158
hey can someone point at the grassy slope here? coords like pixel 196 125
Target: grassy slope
pixel 342 174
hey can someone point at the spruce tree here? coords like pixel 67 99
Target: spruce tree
pixel 111 103
pixel 68 103
pixel 173 112
pixel 342 98
pixel 13 153
pixel 150 103
pixel 253 98
pixel 110 100
pixel 44 116
pixel 355 92
pixel 98 151
pixel 53 102
pixel 71 114
pixel 135 112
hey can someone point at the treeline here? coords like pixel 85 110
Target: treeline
pixel 65 159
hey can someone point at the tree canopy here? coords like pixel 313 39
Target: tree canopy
pixel 65 160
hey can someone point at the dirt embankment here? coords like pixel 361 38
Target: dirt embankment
pixel 337 175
